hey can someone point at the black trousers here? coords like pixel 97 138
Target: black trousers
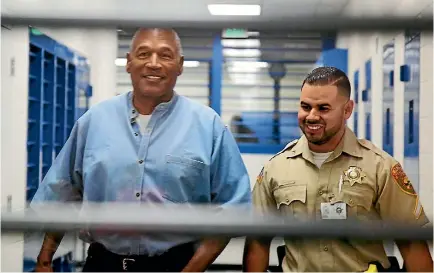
pixel 99 259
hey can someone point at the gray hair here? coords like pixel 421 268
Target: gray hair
pixel 175 34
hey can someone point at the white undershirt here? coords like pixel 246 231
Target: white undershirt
pixel 319 158
pixel 143 121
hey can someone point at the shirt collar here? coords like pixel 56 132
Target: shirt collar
pixel 162 107
pixel 348 145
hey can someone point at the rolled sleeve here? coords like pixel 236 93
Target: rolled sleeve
pixel 230 183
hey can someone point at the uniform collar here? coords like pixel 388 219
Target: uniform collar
pixel 348 145
pixel 162 107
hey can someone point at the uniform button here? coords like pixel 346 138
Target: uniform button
pixel 140 161
pixel 326 248
pixel 136 134
pixel 134 111
pixel 137 194
pixel 320 192
pixel 351 201
pixel 287 200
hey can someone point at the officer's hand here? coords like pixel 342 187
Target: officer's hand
pixel 43 266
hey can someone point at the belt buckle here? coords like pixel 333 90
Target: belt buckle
pixel 125 263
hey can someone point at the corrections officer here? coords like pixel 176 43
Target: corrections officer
pixel 330 174
pixel 150 145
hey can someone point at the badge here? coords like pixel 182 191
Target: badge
pixel 401 178
pixel 334 211
pixel 354 174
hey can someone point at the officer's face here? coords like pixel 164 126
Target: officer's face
pixel 322 112
pixel 154 62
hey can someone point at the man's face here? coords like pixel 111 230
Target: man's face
pixel 323 112
pixel 154 62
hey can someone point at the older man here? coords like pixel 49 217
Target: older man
pixel 148 145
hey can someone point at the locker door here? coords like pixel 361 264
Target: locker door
pixel 410 75
pixel 388 93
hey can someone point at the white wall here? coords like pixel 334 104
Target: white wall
pixel 100 47
pixel 14 86
pixel 363 46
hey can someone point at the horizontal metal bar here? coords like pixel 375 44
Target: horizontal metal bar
pixel 289 23
pixel 199 220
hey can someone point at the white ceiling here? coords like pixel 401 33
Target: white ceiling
pixel 194 13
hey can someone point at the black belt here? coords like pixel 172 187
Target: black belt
pixel 175 259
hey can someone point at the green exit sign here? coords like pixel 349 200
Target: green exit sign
pixel 235 33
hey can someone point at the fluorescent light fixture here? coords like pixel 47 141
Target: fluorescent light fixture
pixel 234 10
pixel 241 43
pixel 191 63
pixel 243 53
pixel 121 62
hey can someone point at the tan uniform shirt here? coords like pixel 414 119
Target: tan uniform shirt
pixel 374 187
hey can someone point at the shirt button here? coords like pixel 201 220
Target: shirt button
pixel 136 134
pixel 326 248
pixel 134 111
pixel 137 194
pixel 140 161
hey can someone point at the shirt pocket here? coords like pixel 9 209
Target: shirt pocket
pixel 358 198
pixel 181 177
pixel 291 199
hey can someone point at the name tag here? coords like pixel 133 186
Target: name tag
pixel 334 211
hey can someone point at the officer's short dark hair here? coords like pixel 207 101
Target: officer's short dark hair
pixel 328 75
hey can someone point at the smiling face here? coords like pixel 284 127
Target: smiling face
pixel 154 62
pixel 322 115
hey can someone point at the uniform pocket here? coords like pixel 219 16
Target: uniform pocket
pixel 358 198
pixel 180 177
pixel 291 199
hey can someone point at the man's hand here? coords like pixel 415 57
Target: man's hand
pixel 206 254
pixel 43 265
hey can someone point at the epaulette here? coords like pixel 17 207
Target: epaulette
pixel 288 146
pixel 370 146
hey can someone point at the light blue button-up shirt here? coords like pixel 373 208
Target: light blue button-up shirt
pixel 186 155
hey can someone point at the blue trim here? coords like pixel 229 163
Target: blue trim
pixel 366 98
pixel 334 57
pixel 328 41
pixel 248 148
pixel 216 75
pixel 356 102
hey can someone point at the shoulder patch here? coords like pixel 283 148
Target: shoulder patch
pixel 260 177
pixel 288 146
pixel 401 178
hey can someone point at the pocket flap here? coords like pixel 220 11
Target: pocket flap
pixel 287 194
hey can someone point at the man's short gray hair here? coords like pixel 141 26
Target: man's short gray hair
pixel 175 34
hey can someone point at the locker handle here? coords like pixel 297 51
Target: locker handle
pixel 410 121
pixel 365 95
pixel 404 73
pixel 391 78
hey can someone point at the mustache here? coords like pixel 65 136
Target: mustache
pixel 312 122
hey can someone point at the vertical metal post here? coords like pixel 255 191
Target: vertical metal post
pixel 216 74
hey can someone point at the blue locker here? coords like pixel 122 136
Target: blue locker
pixel 366 98
pixel 388 94
pixel 56 77
pixel 356 102
pixel 410 75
